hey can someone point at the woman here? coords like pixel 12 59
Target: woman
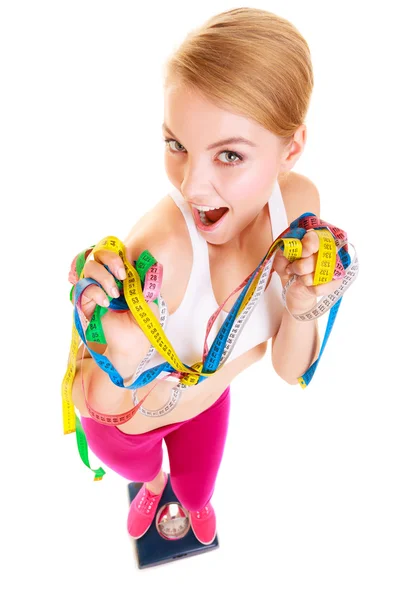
pixel 246 73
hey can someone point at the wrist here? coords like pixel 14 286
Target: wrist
pixel 299 308
pixel 299 299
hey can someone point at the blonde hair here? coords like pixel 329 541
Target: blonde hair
pixel 253 62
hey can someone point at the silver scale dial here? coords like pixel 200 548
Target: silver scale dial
pixel 172 521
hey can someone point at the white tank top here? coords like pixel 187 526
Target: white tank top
pixel 186 327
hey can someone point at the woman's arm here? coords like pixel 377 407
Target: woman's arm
pixel 295 347
pixel 296 344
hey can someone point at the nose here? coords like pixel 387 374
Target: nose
pixel 196 185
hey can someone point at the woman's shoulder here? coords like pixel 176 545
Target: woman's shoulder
pixel 299 195
pixel 163 232
pixel 160 230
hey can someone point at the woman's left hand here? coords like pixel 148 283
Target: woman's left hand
pixel 302 294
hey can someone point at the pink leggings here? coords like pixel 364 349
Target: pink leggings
pixel 195 449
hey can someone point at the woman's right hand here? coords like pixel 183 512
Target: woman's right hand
pixel 120 328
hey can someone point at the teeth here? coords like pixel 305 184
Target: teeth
pixel 206 208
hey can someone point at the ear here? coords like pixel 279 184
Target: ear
pixel 294 150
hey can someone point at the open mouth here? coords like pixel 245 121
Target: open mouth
pixel 209 219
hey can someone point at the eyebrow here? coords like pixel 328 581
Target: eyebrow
pixel 230 140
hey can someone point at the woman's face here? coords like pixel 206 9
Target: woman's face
pixel 234 175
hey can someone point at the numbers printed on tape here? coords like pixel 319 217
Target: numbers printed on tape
pixel 333 262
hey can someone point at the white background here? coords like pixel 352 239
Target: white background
pixel 308 494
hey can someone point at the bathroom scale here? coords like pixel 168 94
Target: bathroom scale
pixel 170 536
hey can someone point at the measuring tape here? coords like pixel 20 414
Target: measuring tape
pixel 333 262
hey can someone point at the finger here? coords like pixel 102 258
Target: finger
pixel 327 288
pixel 280 263
pixel 99 273
pixel 310 244
pixel 307 280
pixel 113 262
pixel 302 266
pixel 91 296
pixel 320 290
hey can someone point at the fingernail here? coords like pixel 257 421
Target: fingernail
pixel 122 274
pixel 288 270
pixel 115 292
pixel 106 302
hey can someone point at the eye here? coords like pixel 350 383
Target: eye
pixel 228 163
pixel 167 141
pixel 234 154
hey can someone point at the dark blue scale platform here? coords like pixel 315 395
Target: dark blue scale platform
pixel 152 549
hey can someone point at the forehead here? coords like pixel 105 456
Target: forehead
pixel 187 110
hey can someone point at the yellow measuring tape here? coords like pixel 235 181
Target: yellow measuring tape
pixel 132 287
